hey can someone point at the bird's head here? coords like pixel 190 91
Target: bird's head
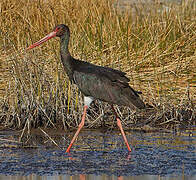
pixel 61 29
pixel 58 31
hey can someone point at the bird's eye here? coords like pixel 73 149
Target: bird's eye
pixel 58 28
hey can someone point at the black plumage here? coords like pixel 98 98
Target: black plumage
pixel 95 82
pixel 102 83
pixel 105 84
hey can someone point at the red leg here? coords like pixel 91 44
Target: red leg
pixel 82 176
pixel 121 129
pixel 79 128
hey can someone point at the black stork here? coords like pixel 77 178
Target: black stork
pixel 95 82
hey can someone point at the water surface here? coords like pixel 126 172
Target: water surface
pixel 101 155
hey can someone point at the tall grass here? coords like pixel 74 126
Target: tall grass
pixel 156 49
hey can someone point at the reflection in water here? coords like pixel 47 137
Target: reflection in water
pixel 95 177
pixel 98 156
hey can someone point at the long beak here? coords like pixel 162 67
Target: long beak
pixel 46 38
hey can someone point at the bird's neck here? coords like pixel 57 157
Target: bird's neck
pixel 64 44
pixel 66 58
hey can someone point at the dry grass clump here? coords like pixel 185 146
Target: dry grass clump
pixel 157 50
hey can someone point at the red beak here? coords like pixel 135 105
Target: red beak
pixel 46 38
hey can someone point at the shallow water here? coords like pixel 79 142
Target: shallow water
pixel 102 155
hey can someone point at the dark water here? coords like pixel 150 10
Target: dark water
pixel 98 155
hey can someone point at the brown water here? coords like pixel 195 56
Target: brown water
pixel 100 155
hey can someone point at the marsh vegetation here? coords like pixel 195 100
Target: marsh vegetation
pixel 157 50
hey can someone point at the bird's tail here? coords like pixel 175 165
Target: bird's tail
pixel 139 103
pixel 134 98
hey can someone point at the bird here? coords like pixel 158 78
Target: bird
pixel 95 82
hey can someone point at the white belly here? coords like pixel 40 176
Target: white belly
pixel 88 100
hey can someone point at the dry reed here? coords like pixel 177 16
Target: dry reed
pixel 155 49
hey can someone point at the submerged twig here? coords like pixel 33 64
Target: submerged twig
pixel 50 138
